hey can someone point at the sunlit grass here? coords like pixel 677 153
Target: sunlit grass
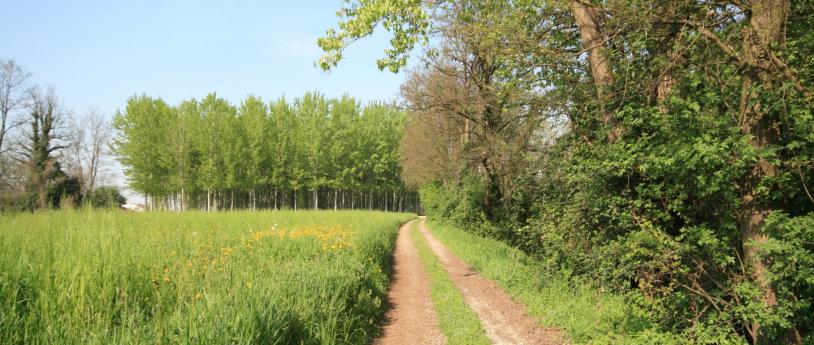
pixel 242 277
pixel 584 313
pixel 457 321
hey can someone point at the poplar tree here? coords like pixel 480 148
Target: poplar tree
pixel 142 145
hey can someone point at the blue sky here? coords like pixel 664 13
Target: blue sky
pixel 98 53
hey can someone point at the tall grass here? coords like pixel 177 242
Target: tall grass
pixel 244 277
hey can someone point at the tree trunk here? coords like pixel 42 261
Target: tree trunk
pixel 765 25
pixel 666 82
pixel 587 19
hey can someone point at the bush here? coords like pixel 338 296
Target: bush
pixel 653 217
pixel 105 197
pixel 460 204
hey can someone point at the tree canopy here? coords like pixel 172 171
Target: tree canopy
pixel 313 152
pixel 659 148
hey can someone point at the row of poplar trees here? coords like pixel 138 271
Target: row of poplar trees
pixel 663 150
pixel 313 152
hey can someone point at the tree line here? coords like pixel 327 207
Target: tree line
pixel 313 152
pixel 659 149
pixel 49 157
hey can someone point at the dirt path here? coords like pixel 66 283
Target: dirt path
pixel 411 319
pixel 503 319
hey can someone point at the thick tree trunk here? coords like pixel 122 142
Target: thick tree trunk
pixel 672 54
pixel 587 19
pixel 765 29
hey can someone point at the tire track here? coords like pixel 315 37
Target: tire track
pixel 411 318
pixel 504 320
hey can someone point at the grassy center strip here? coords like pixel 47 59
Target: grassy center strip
pixel 457 321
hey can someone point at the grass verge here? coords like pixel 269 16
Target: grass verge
pixel 112 277
pixel 457 321
pixel 586 314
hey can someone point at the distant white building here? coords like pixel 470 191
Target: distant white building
pixel 134 207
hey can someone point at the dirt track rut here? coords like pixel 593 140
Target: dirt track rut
pixel 412 318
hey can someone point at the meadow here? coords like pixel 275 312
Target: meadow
pixel 110 277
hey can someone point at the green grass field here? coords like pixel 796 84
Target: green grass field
pixel 95 277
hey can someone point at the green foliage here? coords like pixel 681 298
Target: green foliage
pixel 105 197
pixel 112 277
pixel 65 192
pixel 142 143
pixel 791 250
pixel 663 183
pixel 313 152
pixel 657 212
pixel 407 20
pixel 466 207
